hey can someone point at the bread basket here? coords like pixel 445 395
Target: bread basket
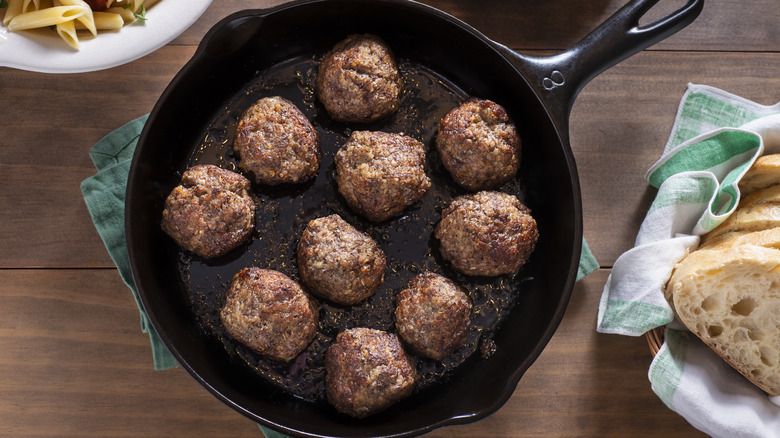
pixel 655 339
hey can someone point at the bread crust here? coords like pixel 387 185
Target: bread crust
pixel 754 217
pixel 764 173
pixel 767 238
pixel 766 195
pixel 760 210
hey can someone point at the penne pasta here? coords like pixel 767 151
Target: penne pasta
pixel 135 5
pixel 69 17
pixel 14 8
pixel 67 31
pixel 105 21
pixel 45 17
pixel 86 20
pixel 31 5
pixel 127 15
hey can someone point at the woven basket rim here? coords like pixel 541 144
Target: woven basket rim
pixel 655 339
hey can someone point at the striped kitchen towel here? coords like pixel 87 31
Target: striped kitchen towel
pixel 715 139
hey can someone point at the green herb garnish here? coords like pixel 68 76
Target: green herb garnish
pixel 142 14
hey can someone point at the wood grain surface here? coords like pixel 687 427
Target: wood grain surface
pixel 74 363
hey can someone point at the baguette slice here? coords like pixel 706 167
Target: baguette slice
pixel 730 298
pixel 764 173
pixel 754 212
pixel 753 217
pixel 767 238
pixel 766 195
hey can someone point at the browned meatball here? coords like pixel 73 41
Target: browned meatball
pixel 380 174
pixel 487 233
pixel 479 145
pixel 339 263
pixel 269 313
pixel 276 143
pixel 358 80
pixel 432 315
pixel 367 371
pixel 210 212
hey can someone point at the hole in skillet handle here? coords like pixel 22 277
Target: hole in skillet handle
pixel 660 11
pixel 558 79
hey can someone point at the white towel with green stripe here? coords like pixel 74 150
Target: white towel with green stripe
pixel 715 139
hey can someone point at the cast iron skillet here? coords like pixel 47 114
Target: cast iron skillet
pixel 255 53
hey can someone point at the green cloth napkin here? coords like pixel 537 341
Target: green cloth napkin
pixel 104 194
pixel 588 262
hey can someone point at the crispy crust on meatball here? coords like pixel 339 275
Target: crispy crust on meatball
pixel 433 315
pixel 380 174
pixel 210 212
pixel 367 371
pixel 276 143
pixel 358 80
pixel 479 145
pixel 339 263
pixel 269 313
pixel 487 233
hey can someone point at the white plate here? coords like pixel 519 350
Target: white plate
pixel 42 50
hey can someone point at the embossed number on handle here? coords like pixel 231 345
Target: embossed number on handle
pixel 555 80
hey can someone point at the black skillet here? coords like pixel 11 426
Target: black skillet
pixel 257 53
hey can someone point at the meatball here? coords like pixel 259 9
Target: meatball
pixel 210 212
pixel 487 233
pixel 276 143
pixel 433 315
pixel 269 313
pixel 339 263
pixel 367 371
pixel 380 174
pixel 358 80
pixel 479 145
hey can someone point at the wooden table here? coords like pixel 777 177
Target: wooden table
pixel 73 361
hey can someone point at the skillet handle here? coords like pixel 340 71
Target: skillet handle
pixel 559 78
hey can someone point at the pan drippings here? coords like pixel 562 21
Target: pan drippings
pixel 284 211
